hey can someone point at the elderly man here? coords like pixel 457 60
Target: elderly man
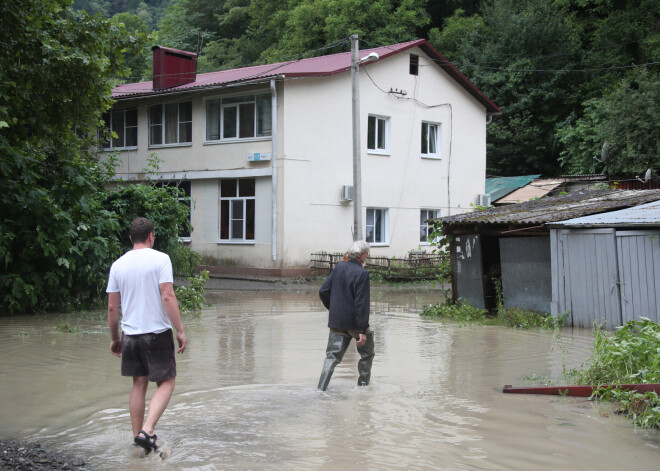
pixel 345 293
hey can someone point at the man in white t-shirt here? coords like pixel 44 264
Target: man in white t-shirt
pixel 141 281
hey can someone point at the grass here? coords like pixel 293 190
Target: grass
pixel 463 312
pixel 630 355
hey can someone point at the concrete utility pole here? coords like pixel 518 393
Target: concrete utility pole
pixel 357 160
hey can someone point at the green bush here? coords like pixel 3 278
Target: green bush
pixel 461 311
pixel 191 298
pixel 160 205
pixel 631 355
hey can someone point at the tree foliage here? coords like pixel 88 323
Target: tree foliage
pixel 54 74
pixel 58 234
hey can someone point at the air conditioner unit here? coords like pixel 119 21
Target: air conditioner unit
pixel 346 192
pixel 483 200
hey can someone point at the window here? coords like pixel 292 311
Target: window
pixel 430 144
pixel 424 230
pixel 376 226
pixel 378 139
pixel 237 199
pixel 241 117
pixel 186 200
pixel 124 124
pixel 414 64
pixel 170 123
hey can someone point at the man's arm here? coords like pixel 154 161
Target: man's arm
pixel 171 306
pixel 114 301
pixel 362 301
pixel 324 291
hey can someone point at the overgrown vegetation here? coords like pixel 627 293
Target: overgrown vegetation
pixel 463 312
pixel 630 355
pixel 60 228
pixel 191 298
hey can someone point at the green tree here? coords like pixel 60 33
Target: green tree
pixel 627 119
pixel 521 58
pixel 54 85
pixel 138 59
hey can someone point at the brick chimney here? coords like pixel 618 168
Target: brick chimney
pixel 173 67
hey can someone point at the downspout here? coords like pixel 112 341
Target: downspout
pixel 273 106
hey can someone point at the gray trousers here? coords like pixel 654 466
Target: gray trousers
pixel 337 345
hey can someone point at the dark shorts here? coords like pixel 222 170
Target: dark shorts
pixel 149 355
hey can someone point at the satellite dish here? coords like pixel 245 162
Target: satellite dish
pixel 605 152
pixel 647 176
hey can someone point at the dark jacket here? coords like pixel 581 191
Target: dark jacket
pixel 345 292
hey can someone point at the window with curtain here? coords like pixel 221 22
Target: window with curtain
pixel 123 123
pixel 430 140
pixel 378 134
pixel 170 123
pixel 424 230
pixel 376 226
pixel 238 117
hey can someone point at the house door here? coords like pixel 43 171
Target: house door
pixel 589 288
pixel 639 272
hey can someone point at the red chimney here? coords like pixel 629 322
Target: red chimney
pixel 173 67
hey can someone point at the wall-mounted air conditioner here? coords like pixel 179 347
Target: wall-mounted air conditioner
pixel 346 192
pixel 483 200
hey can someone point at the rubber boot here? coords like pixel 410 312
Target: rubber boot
pixel 366 352
pixel 337 345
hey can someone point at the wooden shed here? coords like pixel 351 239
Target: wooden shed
pixel 606 267
pixel 512 244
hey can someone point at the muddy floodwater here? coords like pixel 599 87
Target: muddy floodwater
pixel 246 396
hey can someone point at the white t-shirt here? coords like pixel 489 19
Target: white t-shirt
pixel 136 275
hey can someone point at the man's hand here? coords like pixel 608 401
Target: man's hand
pixel 362 340
pixel 115 347
pixel 182 340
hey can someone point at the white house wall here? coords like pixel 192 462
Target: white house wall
pixel 317 156
pixel 314 160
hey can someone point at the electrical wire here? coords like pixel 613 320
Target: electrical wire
pixel 482 66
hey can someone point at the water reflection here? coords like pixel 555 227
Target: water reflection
pixel 246 398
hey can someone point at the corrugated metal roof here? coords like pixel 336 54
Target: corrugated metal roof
pixel 556 208
pixel 535 189
pixel 643 215
pixel 314 66
pixel 498 187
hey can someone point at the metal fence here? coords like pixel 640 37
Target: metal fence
pixel 416 266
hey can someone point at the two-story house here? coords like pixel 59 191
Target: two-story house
pixel 266 152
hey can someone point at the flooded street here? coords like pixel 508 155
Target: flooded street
pixel 246 396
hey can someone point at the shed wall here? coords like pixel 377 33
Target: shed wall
pixel 469 273
pixel 526 280
pixel 639 271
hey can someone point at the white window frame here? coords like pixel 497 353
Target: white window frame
pixel 231 200
pixel 252 98
pixel 163 125
pixel 434 131
pixel 425 214
pixel 380 123
pixel 110 126
pixel 384 226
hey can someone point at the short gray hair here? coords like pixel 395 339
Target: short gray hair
pixel 358 248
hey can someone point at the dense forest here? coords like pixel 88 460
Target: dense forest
pixel 571 76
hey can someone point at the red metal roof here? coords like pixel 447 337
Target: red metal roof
pixel 311 67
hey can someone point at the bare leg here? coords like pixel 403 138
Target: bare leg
pixel 136 402
pixel 158 404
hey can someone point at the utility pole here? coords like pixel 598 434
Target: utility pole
pixel 357 160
